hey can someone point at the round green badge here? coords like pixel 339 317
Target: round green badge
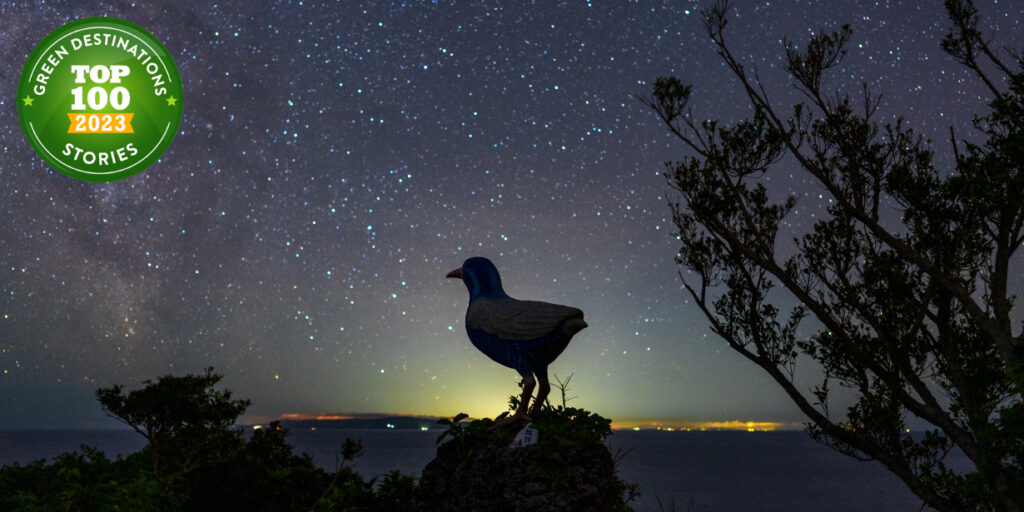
pixel 100 99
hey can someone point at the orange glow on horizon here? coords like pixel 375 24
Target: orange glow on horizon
pixel 296 416
pixel 681 425
pixel 328 416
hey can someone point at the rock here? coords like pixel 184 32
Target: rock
pixel 568 468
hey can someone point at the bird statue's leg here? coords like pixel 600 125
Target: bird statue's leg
pixel 524 402
pixel 542 392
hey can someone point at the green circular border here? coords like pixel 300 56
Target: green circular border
pixel 174 88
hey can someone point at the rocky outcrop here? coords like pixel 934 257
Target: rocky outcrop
pixel 568 468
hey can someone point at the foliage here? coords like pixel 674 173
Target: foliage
pixel 563 424
pixel 463 432
pixel 252 474
pixel 350 493
pixel 394 491
pixel 183 416
pixel 916 318
pixel 80 481
pixel 205 464
pixel 455 428
pixel 351 450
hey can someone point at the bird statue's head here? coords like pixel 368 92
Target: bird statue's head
pixel 481 278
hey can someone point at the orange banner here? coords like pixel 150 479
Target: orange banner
pixel 101 123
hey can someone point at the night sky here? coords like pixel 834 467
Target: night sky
pixel 336 160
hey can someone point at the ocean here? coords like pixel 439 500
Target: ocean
pixel 687 471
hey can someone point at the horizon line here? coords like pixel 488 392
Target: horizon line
pixel 625 423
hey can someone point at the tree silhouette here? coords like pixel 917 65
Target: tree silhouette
pixel 183 418
pixel 916 319
pixel 196 460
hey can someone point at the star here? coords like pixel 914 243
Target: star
pixel 342 149
pixel 28 100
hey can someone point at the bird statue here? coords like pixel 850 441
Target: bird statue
pixel 524 335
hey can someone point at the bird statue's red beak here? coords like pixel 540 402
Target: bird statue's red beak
pixel 457 273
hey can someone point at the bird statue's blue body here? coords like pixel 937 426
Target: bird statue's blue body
pixel 524 335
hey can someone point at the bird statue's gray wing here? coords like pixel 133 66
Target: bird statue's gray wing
pixel 518 320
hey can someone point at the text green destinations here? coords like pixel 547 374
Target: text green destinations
pixel 100 39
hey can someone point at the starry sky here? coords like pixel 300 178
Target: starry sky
pixel 336 160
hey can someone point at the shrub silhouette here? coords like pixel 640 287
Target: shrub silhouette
pixel 196 460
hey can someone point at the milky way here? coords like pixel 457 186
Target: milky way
pixel 335 161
